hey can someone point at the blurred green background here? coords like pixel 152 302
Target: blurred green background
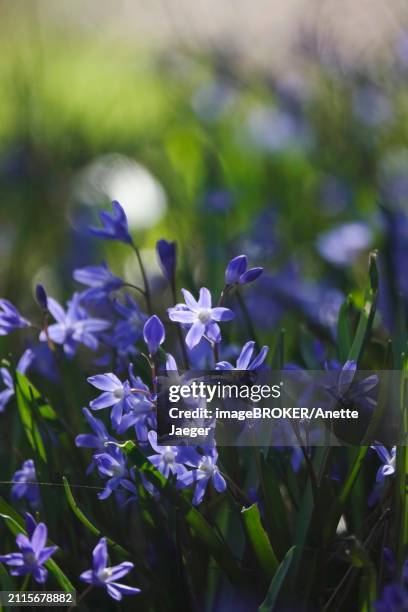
pixel 208 127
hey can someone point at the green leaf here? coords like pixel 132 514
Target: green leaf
pixel 368 311
pixel 343 331
pixel 275 587
pixel 338 506
pixel 401 476
pixel 259 540
pixel 15 523
pixel 275 511
pixel 86 522
pixel 27 397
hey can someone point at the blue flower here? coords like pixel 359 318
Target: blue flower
pixel 387 459
pixel 342 245
pixel 244 360
pixel 237 273
pixel 115 225
pixel 7 393
pixel 168 459
pixel 25 484
pixel 115 394
pixel 23 364
pixel 112 464
pixel 73 326
pixel 153 334
pixel 41 296
pixel 32 556
pixel 200 316
pixel 10 318
pixel 167 253
pixel 98 440
pixel 394 598
pixel 205 470
pixel 102 575
pixel 99 279
pixel 346 390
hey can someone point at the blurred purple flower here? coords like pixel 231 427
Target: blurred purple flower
pixel 73 326
pixel 25 484
pixel 100 280
pixel 200 316
pixel 244 360
pixel 7 393
pixel 388 459
pixel 23 364
pixel 41 296
pixel 101 575
pixel 153 334
pixel 167 253
pixel 115 225
pixel 10 318
pixel 342 245
pixel 394 598
pixel 371 106
pixel 34 553
pixel 237 273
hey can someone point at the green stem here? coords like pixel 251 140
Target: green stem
pixel 145 281
pixel 25 583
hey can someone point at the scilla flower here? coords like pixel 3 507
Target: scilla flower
pixel 201 317
pixel 102 575
pixel 153 334
pixel 205 470
pixel 115 225
pixel 10 318
pixel 33 553
pixel 73 326
pixel 237 273
pixel 167 256
pixel 245 361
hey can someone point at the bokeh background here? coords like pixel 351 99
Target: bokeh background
pixel 229 126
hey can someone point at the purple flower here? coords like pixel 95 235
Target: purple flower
pixel 101 575
pixel 98 440
pixel 115 394
pixel 73 326
pixel 387 459
pixel 346 390
pixel 168 459
pixel 25 484
pixel 99 279
pixel 41 296
pixel 342 245
pixel 23 364
pixel 10 318
pixel 200 316
pixel 394 598
pixel 7 393
pixel 32 556
pixel 153 334
pixel 244 360
pixel 237 273
pixel 112 464
pixel 115 225
pixel 167 253
pixel 205 470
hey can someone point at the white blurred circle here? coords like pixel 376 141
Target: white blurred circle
pixel 118 177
